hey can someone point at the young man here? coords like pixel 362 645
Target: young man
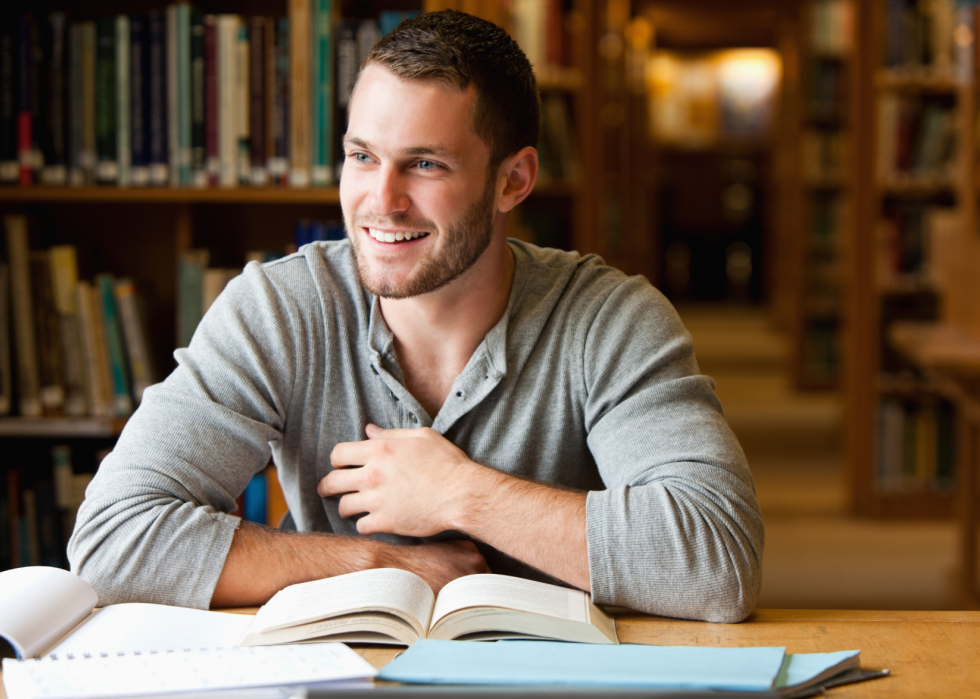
pixel 526 411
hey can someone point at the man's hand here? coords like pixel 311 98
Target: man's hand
pixel 410 482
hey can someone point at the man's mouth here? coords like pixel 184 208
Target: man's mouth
pixel 394 236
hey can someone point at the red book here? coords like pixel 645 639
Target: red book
pixel 212 162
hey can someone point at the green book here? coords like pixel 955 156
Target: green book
pixel 190 293
pixel 107 164
pixel 122 401
pixel 322 92
pixel 123 148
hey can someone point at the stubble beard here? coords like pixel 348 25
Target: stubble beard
pixel 465 241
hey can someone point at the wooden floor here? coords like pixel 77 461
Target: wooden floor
pixel 817 556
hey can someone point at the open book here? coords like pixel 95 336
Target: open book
pixel 396 607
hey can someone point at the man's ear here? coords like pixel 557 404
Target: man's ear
pixel 516 177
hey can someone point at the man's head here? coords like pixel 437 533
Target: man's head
pixel 440 140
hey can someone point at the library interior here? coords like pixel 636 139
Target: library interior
pixel 798 177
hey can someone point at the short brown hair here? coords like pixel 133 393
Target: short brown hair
pixel 459 49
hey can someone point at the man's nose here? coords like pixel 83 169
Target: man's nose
pixel 389 193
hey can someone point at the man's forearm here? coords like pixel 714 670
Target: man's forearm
pixel 541 525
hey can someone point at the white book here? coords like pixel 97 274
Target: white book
pixel 138 649
pixel 124 151
pixel 227 52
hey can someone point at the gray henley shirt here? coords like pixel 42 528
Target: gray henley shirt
pixel 588 381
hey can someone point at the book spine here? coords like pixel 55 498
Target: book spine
pixel 279 162
pixel 13 515
pixel 94 355
pixel 6 376
pixel 227 35
pixel 28 383
pixel 184 92
pixel 159 130
pixel 322 93
pixel 256 507
pixel 87 155
pixel 107 164
pixel 300 21
pixel 123 101
pixel 242 120
pixel 25 154
pixel 64 279
pixel 211 99
pixel 191 293
pixel 56 108
pixel 38 100
pixel 199 172
pixel 259 176
pixel 47 336
pixel 62 472
pixel 122 399
pixel 76 176
pixel 173 92
pixel 137 346
pixel 347 67
pixel 9 167
pixel 269 90
pixel 139 101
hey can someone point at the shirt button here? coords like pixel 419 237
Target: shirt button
pixel 459 394
pixel 414 419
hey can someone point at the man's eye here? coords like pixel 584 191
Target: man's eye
pixel 362 157
pixel 427 165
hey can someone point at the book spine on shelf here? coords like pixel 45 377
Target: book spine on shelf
pixel 9 166
pixel 55 130
pixel 300 50
pixel 269 92
pixel 279 160
pixel 211 117
pixel 62 473
pixel 25 140
pixel 6 368
pixel 322 93
pixel 122 399
pixel 13 515
pixel 199 173
pixel 107 164
pixel 64 280
pixel 124 151
pixel 76 176
pixel 184 93
pixel 242 121
pixel 139 67
pixel 172 98
pixel 28 383
pixel 259 175
pixel 190 293
pixel 95 357
pixel 227 36
pixel 347 67
pixel 47 336
pixel 87 154
pixel 134 333
pixel 276 502
pixel 256 507
pixel 158 114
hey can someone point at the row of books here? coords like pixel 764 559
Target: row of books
pixel 910 244
pixel 179 98
pixel 917 139
pixel 916 444
pixel 823 153
pixel 931 38
pixel 263 501
pixel 821 352
pixel 831 27
pixel 37 514
pixel 68 347
pixel 825 91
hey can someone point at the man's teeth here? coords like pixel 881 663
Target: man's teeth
pixel 389 237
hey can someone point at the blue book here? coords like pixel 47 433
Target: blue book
pixel 256 498
pixel 122 400
pixel 139 95
pixel 159 151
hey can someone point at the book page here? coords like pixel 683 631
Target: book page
pixel 39 605
pixel 379 589
pixel 147 628
pixel 511 593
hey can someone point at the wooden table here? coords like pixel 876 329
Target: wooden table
pixel 930 654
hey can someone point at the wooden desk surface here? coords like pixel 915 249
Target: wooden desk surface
pixel 930 654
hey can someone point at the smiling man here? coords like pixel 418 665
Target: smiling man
pixel 435 397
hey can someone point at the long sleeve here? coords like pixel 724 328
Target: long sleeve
pixel 154 526
pixel 677 531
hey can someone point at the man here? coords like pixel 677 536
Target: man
pixel 526 411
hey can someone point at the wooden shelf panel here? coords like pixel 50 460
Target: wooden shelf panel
pixel 559 79
pixel 170 195
pixel 925 504
pixel 910 188
pixel 56 427
pixel 923 82
pixel 939 347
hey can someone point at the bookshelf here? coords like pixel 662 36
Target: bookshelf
pixel 913 239
pixel 144 232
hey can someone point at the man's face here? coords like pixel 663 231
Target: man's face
pixel 417 203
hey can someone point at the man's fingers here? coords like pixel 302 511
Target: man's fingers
pixel 352 504
pixel 347 454
pixel 339 482
pixel 375 432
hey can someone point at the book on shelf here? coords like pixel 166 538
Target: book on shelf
pixel 823 154
pixel 47 335
pixel 397 607
pixel 831 26
pixel 920 38
pixel 322 167
pixel 916 444
pixel 300 100
pixel 28 378
pixel 6 367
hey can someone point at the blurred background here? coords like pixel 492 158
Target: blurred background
pixel 797 176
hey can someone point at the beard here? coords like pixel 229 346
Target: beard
pixel 464 241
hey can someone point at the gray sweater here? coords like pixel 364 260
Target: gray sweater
pixel 589 381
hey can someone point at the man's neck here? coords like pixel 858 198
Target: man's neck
pixel 437 333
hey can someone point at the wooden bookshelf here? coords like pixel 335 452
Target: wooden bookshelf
pixel 169 195
pixel 61 428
